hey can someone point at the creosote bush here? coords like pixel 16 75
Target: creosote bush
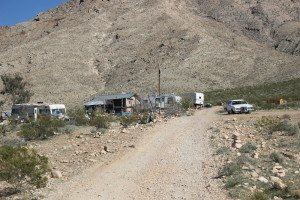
pixel 15 86
pixel 126 121
pixel 21 167
pixel 187 103
pixel 247 148
pixel 230 169
pixel 276 157
pixel 41 129
pixel 258 196
pixel 78 117
pixel 100 121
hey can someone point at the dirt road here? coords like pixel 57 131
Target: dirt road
pixel 173 161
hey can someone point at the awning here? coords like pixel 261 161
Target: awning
pixel 94 103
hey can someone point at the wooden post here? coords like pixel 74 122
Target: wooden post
pixel 159 89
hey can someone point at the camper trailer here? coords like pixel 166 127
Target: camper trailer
pixel 160 101
pixel 198 98
pixel 25 111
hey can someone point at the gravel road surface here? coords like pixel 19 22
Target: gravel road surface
pixel 172 161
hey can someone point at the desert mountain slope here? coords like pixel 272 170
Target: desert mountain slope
pixel 272 22
pixel 82 48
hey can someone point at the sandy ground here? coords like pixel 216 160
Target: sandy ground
pixel 172 161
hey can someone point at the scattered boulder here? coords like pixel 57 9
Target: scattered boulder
pixel 263 179
pixel 278 183
pixel 56 174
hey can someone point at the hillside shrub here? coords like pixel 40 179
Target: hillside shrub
pixel 258 196
pixel 187 103
pixel 223 150
pixel 20 167
pixel 276 157
pixel 126 121
pixel 230 169
pixel 15 86
pixel 100 121
pixel 41 129
pixel 78 117
pixel 247 148
pixel 233 181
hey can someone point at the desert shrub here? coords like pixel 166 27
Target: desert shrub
pixel 286 116
pixel 244 159
pixel 15 86
pixel 233 181
pixel 272 124
pixel 247 148
pixel 269 123
pixel 258 196
pixel 144 116
pixel 287 128
pixel 100 121
pixel 276 157
pixel 67 129
pixel 187 103
pixel 230 169
pixel 20 166
pixel 78 116
pixel 126 121
pixel 3 130
pixel 223 150
pixel 41 129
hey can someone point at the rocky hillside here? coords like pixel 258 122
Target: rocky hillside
pixel 85 47
pixel 272 22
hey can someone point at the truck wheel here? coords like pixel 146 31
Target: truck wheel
pixel 231 111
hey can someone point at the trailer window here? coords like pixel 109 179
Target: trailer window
pixel 58 111
pixel 44 111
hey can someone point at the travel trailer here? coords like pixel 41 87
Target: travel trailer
pixel 25 111
pixel 198 98
pixel 160 101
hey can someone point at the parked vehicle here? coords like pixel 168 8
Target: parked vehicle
pixel 25 111
pixel 238 106
pixel 162 101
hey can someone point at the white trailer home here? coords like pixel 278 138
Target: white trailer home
pixel 160 101
pixel 25 111
pixel 197 97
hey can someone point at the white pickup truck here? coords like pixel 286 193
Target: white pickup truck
pixel 238 106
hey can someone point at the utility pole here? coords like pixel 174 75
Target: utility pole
pixel 159 88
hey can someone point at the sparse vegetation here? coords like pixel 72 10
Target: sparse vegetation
pixel 230 169
pixel 187 103
pixel 100 121
pixel 276 157
pixel 258 196
pixel 223 150
pixel 22 167
pixel 16 87
pixel 78 117
pixel 247 148
pixel 258 95
pixel 126 121
pixel 41 129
